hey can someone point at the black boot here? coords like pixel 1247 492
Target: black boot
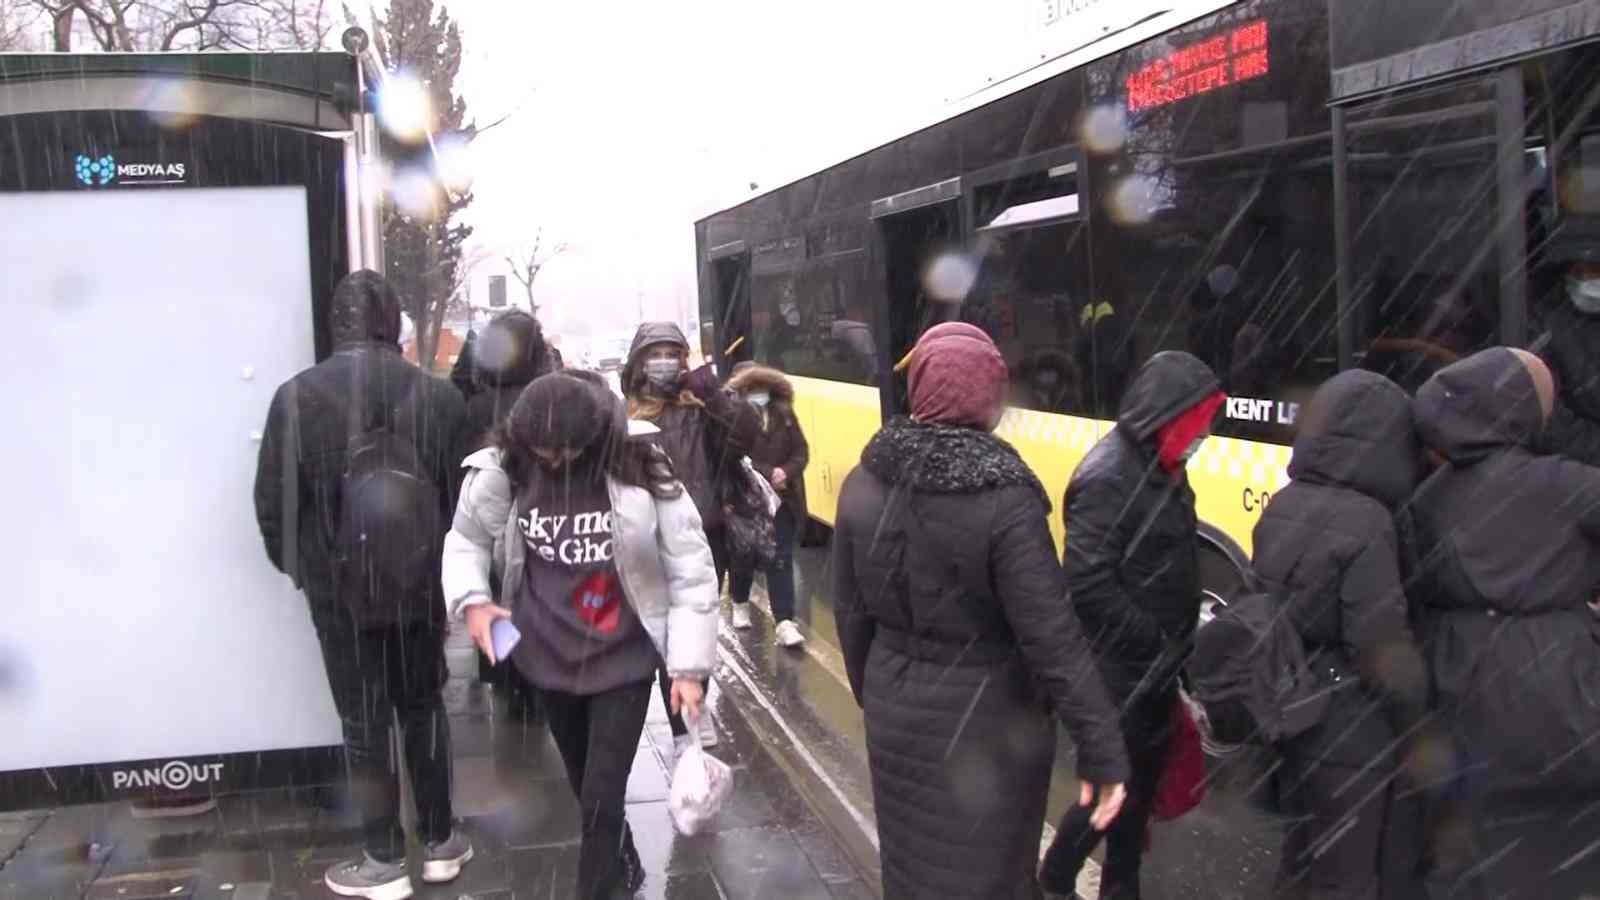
pixel 630 869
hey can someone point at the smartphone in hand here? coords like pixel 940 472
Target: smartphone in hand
pixel 504 637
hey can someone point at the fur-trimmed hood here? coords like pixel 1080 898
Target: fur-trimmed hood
pixel 747 378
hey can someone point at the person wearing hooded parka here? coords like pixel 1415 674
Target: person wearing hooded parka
pixel 704 429
pixel 1506 548
pixel 1132 562
pixel 1326 546
pixel 959 641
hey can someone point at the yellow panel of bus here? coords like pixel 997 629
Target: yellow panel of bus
pixel 1232 478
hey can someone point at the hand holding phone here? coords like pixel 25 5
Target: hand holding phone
pixel 504 636
pixel 482 619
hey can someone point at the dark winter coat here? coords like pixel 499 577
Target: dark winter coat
pixel 1327 544
pixel 1508 547
pixel 705 434
pixel 1132 556
pixel 781 444
pixel 300 470
pixel 499 386
pixel 963 650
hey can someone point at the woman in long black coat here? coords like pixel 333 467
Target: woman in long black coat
pixel 959 638
pixel 1508 557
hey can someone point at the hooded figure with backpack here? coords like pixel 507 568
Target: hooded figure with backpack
pixel 1326 551
pixel 1132 562
pixel 958 638
pixel 355 483
pixel 1507 559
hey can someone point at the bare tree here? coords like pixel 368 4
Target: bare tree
pixel 19 20
pixel 192 25
pixel 526 266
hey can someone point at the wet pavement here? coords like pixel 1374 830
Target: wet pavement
pixel 1227 849
pixel 511 797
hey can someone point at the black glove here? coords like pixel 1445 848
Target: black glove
pixel 702 383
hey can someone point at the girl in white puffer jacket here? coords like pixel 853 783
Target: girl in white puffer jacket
pixel 605 572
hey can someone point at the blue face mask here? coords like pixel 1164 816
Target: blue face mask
pixel 759 398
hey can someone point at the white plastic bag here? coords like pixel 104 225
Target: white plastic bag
pixel 700 784
pixel 769 496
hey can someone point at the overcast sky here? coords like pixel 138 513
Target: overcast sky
pixel 629 121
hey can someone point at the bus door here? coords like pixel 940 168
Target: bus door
pixel 924 275
pixel 729 331
pixel 1429 225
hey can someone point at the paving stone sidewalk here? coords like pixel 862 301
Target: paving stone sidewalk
pixel 512 798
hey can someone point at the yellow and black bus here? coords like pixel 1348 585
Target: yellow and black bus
pixel 1285 188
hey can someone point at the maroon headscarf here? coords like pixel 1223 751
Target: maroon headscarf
pixel 957 377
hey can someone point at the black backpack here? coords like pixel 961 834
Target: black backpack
pixel 388 541
pixel 1250 674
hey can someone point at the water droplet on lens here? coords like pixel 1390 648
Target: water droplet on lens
pixel 1104 129
pixel 1133 201
pixel 950 277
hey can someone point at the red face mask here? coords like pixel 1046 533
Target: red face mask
pixel 1174 439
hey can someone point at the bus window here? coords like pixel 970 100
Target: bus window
pixel 731 276
pixel 1211 213
pixel 1033 253
pixel 1421 184
pixel 1563 125
pixel 811 317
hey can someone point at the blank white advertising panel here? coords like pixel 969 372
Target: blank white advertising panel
pixel 146 333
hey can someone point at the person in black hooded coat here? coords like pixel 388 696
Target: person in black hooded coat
pixel 1327 545
pixel 1132 561
pixel 958 638
pixel 1507 554
pixel 377 675
pixel 509 355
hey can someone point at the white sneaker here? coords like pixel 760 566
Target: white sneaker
pixel 442 862
pixel 789 634
pixel 741 615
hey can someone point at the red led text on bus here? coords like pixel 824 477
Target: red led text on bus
pixel 1239 55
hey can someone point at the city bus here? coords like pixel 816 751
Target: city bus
pixel 1285 188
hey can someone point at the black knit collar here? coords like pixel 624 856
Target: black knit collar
pixel 946 459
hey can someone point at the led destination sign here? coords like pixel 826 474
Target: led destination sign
pixel 1237 56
